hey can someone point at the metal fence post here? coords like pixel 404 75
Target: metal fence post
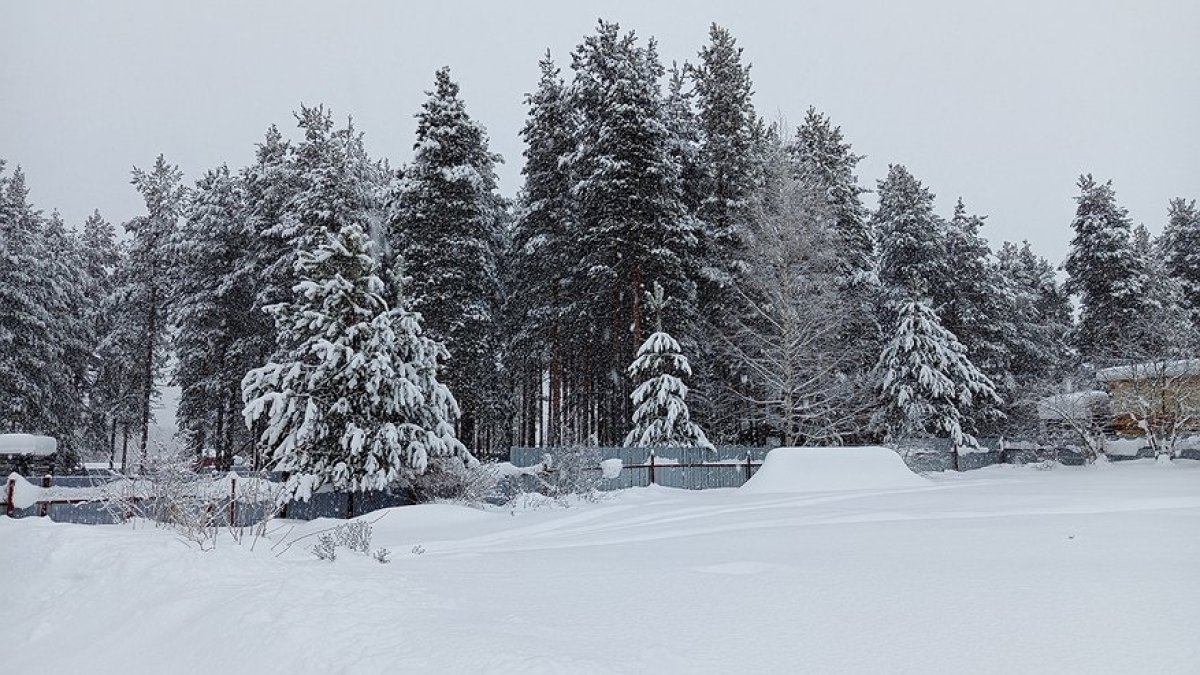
pixel 652 466
pixel 749 468
pixel 43 504
pixel 10 491
pixel 232 501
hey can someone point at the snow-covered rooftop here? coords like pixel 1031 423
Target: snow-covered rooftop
pixel 1175 368
pixel 1077 405
pixel 27 444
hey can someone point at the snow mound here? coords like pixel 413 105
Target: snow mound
pixel 822 469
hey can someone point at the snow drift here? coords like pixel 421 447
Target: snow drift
pixel 820 469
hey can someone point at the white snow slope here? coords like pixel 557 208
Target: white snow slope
pixel 1005 569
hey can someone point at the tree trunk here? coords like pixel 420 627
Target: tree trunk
pixel 148 372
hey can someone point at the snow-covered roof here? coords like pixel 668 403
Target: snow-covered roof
pixel 1176 368
pixel 27 444
pixel 1077 405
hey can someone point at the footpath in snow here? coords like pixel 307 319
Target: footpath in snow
pixel 1006 569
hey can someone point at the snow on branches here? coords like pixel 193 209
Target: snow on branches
pixel 926 382
pixel 353 400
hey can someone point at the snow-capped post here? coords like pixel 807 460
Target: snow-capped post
pixel 749 469
pixel 660 413
pixel 9 495
pixel 652 466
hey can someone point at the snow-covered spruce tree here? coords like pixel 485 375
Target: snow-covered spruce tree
pixel 1103 271
pixel 660 412
pixel 1181 244
pixel 446 224
pixel 927 385
pixel 629 220
pixel 539 329
pixel 353 400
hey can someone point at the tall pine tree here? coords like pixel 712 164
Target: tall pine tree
pixel 1103 271
pixel 630 224
pixel 446 226
pixel 143 293
pixel 541 251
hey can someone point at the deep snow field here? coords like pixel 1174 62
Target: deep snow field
pixel 1004 569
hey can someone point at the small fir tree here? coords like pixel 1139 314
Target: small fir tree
pixel 927 385
pixel 660 415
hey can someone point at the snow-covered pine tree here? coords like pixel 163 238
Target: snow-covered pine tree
pixel 724 186
pixel 980 309
pixel 26 326
pixel 539 328
pixel 270 183
pixel 913 257
pixel 1164 324
pixel 683 127
pixel 822 153
pixel 446 225
pixel 330 183
pixel 61 288
pixel 630 221
pixel 1103 271
pixel 1038 346
pixel 728 131
pixel 660 412
pixel 1181 243
pixel 354 399
pixel 927 385
pixel 216 327
pixel 101 257
pixel 143 294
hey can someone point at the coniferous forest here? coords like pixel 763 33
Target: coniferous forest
pixel 677 269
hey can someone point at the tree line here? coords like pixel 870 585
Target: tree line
pixel 656 201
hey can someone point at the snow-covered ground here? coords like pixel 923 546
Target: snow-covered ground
pixel 1005 569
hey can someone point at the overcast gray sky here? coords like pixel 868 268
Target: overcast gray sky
pixel 1005 103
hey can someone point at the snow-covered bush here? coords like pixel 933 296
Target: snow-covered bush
pixel 355 535
pixel 198 507
pixel 452 479
pixel 575 471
